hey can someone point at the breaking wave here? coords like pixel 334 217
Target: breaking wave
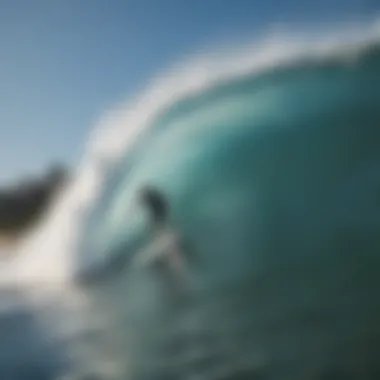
pixel 187 113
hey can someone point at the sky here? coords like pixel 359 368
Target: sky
pixel 63 63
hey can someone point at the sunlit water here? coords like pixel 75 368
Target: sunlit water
pixel 237 142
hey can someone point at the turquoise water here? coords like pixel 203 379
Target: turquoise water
pixel 286 131
pixel 273 183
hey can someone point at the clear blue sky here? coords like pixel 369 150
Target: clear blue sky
pixel 63 62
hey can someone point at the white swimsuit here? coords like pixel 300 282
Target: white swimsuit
pixel 165 248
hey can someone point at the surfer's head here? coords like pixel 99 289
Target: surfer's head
pixel 155 203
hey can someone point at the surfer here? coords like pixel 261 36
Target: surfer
pixel 166 248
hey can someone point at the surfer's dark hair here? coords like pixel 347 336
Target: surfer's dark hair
pixel 155 202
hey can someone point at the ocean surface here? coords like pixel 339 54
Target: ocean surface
pixel 276 142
